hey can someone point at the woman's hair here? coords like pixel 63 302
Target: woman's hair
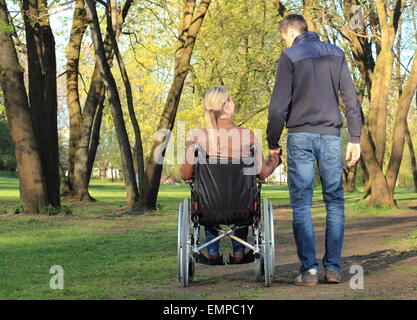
pixel 214 101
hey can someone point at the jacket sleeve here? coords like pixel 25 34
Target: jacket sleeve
pixel 352 106
pixel 265 168
pixel 187 168
pixel 280 101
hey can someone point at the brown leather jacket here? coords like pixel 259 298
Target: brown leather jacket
pixel 235 142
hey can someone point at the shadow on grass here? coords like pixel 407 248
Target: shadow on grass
pixel 285 274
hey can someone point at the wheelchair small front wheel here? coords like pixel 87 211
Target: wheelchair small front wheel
pixel 259 269
pixel 191 268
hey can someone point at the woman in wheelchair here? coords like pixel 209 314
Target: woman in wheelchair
pixel 223 139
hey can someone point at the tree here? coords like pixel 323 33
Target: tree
pixel 42 91
pixel 191 24
pixel 79 25
pixel 115 105
pixel 33 194
pixel 86 136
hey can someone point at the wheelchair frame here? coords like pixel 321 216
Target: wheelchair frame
pixel 263 246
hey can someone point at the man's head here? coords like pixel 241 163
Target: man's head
pixel 292 26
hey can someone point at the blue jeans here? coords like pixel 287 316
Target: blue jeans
pixel 214 248
pixel 304 149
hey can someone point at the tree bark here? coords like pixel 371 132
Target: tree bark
pixel 139 157
pixel 115 105
pixel 82 167
pixel 400 124
pixel 79 25
pixel 379 193
pixel 95 136
pixel 349 179
pixel 282 11
pixel 412 156
pixel 190 27
pixel 33 194
pixel 63 181
pixel 309 6
pixel 382 75
pixel 42 91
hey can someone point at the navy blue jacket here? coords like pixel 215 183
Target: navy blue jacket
pixel 310 77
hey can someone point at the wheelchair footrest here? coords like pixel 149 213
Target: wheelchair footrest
pixel 247 258
pixel 201 258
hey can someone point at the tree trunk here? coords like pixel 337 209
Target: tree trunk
pixel 82 167
pixel 95 136
pixel 79 25
pixel 412 156
pixel 309 5
pixel 33 195
pixel 63 181
pixel 382 75
pixel 379 193
pixel 400 125
pixel 139 157
pixel 282 11
pixel 42 91
pixel 191 26
pixel 115 105
pixel 349 180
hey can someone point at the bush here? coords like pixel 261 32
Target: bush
pixel 52 211
pixel 17 208
pixel 66 210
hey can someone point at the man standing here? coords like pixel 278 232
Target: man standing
pixel 311 76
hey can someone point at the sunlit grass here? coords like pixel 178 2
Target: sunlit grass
pixel 110 255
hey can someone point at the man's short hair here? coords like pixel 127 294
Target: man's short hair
pixel 295 21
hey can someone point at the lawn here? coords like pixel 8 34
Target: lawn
pixel 107 254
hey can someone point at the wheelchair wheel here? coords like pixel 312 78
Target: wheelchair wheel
pixel 269 246
pixel 179 251
pixel 184 259
pixel 271 213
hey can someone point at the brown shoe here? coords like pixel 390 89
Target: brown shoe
pixel 238 256
pixel 332 276
pixel 307 278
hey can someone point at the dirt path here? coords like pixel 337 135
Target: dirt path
pixel 376 243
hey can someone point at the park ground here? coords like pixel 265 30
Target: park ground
pixel 107 254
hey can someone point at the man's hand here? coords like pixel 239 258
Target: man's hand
pixel 276 153
pixel 353 153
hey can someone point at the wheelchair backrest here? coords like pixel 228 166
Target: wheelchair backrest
pixel 225 189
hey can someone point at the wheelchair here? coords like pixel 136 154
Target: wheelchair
pixel 225 192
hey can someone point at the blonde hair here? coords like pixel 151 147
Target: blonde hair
pixel 214 101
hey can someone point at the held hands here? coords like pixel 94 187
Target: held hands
pixel 276 153
pixel 353 153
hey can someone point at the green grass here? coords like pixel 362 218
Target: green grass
pixel 106 254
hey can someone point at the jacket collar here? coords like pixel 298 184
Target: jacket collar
pixel 306 36
pixel 225 122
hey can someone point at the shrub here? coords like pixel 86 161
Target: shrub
pixel 17 208
pixel 49 210
pixel 52 211
pixel 66 210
